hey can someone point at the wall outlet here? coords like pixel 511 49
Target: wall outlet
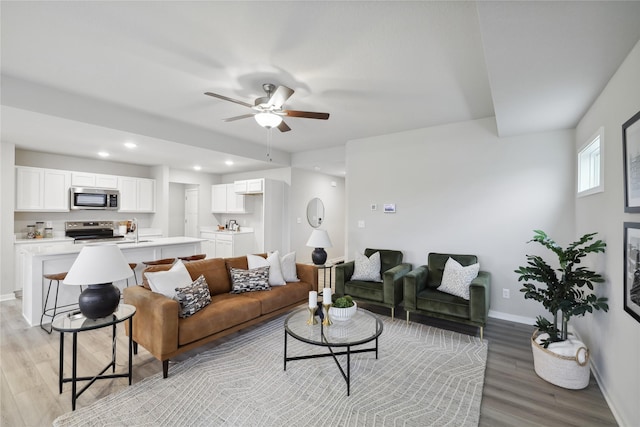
pixel 505 293
pixel 360 224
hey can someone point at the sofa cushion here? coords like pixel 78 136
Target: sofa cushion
pixel 280 296
pixel 456 278
pixel 166 282
pixel 273 262
pixel 225 311
pixel 253 280
pixel 215 273
pixel 372 291
pixel 193 298
pixel 367 268
pixel 432 300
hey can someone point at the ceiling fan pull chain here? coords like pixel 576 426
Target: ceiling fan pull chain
pixel 269 136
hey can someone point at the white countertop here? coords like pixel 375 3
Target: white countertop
pixel 70 248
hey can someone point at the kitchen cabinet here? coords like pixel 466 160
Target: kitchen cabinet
pixel 86 179
pixel 136 194
pixel 226 244
pixel 225 200
pixel 42 190
pixel 249 186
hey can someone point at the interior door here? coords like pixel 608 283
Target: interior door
pixel 191 212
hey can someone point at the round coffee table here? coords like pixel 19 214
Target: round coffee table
pixel 362 328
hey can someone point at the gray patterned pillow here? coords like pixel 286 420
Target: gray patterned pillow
pixel 256 279
pixel 456 278
pixel 193 298
pixel 367 269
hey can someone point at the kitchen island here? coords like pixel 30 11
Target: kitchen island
pixel 39 259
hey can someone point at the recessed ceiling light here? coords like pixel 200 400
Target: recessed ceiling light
pixel 197 167
pixel 130 145
pixel 316 168
pixel 103 154
pixel 228 162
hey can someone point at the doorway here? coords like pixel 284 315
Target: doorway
pixel 191 212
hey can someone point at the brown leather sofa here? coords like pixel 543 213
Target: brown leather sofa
pixel 157 327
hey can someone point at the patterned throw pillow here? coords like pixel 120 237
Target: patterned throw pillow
pixel 367 269
pixel 456 278
pixel 249 280
pixel 193 298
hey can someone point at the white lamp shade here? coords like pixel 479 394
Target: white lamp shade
pixel 319 239
pixel 97 264
pixel 268 120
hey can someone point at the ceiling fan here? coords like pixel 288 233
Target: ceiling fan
pixel 268 110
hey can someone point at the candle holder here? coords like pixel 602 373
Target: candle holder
pixel 312 318
pixel 327 321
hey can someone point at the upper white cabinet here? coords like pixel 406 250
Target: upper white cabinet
pixel 45 190
pixel 137 194
pixel 249 186
pixel 86 179
pixel 224 199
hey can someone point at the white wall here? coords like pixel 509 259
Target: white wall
pixel 614 337
pixel 7 203
pixel 460 188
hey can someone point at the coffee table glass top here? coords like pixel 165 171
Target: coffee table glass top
pixel 361 328
pixel 70 322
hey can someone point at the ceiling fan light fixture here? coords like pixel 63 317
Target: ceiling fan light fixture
pixel 268 120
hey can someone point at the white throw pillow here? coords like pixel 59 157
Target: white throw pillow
pixel 166 282
pixel 273 262
pixel 456 278
pixel 289 269
pixel 367 269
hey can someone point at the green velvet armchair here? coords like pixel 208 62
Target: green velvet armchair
pixel 421 295
pixel 387 293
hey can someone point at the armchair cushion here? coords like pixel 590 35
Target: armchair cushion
pixel 367 268
pixel 456 278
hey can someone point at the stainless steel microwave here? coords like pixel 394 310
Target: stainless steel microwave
pixel 94 198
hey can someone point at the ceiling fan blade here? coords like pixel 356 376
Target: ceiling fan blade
pixel 306 114
pixel 280 96
pixel 283 127
pixel 244 116
pixel 226 98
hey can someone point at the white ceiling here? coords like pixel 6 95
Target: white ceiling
pixel 78 77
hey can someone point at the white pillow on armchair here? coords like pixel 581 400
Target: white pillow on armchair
pixel 456 278
pixel 367 269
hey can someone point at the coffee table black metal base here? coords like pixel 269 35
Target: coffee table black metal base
pixel 77 323
pixel 363 329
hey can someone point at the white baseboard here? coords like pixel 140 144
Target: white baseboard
pixel 7 297
pixel 512 317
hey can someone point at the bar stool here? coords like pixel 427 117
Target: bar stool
pixel 132 266
pixel 193 257
pixel 57 277
pixel 160 261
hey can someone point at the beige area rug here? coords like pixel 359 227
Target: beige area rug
pixel 424 376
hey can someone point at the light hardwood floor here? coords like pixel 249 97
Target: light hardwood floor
pixel 513 395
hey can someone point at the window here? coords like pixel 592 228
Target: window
pixel 590 164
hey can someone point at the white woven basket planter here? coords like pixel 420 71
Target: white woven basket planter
pixel 571 372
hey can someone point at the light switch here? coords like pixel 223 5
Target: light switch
pixel 299 221
pixel 360 224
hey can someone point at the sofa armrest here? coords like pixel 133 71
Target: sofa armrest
pixel 308 273
pixel 155 324
pixel 392 283
pixel 344 272
pixel 480 297
pixel 414 282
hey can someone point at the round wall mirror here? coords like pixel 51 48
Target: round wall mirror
pixel 315 212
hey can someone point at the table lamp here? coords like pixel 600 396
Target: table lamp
pixel 319 240
pixel 97 266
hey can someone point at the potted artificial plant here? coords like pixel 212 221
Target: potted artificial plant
pixel 558 358
pixel 342 308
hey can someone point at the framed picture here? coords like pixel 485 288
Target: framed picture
pixel 632 269
pixel 631 151
pixel 389 208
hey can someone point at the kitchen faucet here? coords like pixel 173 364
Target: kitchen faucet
pixel 134 226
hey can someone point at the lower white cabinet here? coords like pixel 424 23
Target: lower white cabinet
pixel 226 244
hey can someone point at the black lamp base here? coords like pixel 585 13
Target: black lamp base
pixel 319 256
pixel 98 301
